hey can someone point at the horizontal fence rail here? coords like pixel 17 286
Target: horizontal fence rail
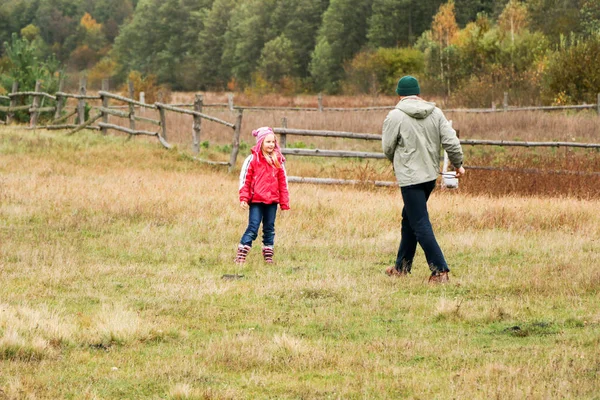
pixel 252 108
pixel 40 94
pixel 337 134
pixel 533 170
pixel 126 99
pixel 320 108
pixel 78 96
pixel 196 113
pixel 331 153
pixel 528 144
pixel 380 108
pixel 203 104
pixel 512 109
pixel 331 181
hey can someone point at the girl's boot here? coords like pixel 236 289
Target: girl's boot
pixel 268 254
pixel 242 252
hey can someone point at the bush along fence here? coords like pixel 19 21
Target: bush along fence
pixel 62 113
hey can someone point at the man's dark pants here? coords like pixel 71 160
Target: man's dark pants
pixel 416 228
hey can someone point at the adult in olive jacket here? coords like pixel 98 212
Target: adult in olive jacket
pixel 414 133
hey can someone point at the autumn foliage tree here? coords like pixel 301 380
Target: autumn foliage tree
pixel 444 29
pixel 513 19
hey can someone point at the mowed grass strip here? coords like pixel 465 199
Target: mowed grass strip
pixel 112 254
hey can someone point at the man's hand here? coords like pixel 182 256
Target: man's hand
pixel 460 172
pixel 244 205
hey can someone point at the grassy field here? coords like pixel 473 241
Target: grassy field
pixel 112 254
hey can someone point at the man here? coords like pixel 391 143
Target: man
pixel 413 135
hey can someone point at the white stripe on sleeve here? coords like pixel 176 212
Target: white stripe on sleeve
pixel 244 171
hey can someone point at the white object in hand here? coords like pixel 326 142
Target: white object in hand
pixel 450 180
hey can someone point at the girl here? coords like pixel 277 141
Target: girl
pixel 263 185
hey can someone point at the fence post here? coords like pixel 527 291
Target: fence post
pixel 230 101
pixel 163 121
pixel 104 105
pixel 81 102
pixel 131 106
pixel 13 103
pixel 320 102
pixel 505 102
pixel 598 104
pixel 283 135
pixel 35 104
pixel 142 97
pixel 60 100
pixel 235 147
pixel 197 126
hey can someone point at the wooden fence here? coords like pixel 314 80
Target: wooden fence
pixel 103 112
pixel 62 113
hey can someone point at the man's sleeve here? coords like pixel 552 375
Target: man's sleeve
pixel 390 135
pixel 450 142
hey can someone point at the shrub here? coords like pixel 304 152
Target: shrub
pixel 573 71
pixel 147 84
pixel 378 71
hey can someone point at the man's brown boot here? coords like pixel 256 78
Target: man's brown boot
pixel 392 271
pixel 439 277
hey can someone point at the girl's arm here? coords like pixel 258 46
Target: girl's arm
pixel 284 194
pixel 246 178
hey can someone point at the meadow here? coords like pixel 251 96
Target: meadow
pixel 114 255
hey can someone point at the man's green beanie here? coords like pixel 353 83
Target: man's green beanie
pixel 408 86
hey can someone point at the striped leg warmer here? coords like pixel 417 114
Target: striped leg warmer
pixel 268 254
pixel 242 252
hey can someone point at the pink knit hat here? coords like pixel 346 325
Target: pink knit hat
pixel 260 135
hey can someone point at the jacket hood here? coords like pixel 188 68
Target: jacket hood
pixel 415 107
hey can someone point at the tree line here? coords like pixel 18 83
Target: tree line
pixel 470 51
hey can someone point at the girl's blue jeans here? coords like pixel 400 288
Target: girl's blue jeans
pixel 266 214
pixel 416 228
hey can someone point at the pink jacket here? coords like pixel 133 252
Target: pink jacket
pixel 261 182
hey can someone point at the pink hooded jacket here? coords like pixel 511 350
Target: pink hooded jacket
pixel 260 181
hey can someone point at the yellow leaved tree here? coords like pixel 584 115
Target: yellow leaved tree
pixel 444 29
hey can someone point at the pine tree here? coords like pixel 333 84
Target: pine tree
pixel 212 72
pixel 342 34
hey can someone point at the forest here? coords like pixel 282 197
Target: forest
pixel 467 51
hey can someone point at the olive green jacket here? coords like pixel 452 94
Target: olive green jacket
pixel 413 135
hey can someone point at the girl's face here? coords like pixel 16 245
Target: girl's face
pixel 268 144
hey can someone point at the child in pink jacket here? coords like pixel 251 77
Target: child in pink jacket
pixel 263 185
